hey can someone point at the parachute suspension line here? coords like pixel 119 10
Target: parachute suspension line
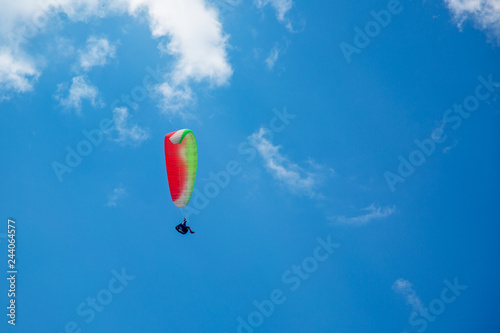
pixel 183 212
pixel 180 211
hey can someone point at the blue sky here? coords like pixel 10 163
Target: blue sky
pixel 337 191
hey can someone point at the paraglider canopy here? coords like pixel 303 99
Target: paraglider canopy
pixel 181 156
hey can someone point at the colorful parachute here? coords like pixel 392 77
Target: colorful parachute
pixel 181 155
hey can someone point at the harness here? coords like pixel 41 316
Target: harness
pixel 182 229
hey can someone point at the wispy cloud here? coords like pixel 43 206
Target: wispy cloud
pixel 405 288
pixel 18 73
pixel 128 134
pixel 278 49
pixel 97 52
pixel 174 98
pixel 374 212
pixel 81 89
pixel 64 47
pixel 296 178
pixel 485 13
pixel 272 57
pixel 116 195
pixel 282 7
pixel 448 148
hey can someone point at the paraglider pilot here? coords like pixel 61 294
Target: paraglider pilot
pixel 183 228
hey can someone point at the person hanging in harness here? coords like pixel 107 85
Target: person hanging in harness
pixel 183 228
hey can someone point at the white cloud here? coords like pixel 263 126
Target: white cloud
pixel 17 73
pixel 189 30
pixel 374 212
pixel 116 195
pixel 195 39
pixel 282 7
pixel 296 178
pixel 485 13
pixel 80 90
pixel 96 53
pixel 448 148
pixel 174 98
pixel 128 134
pixel 272 57
pixel 64 47
pixel 20 21
pixel 278 49
pixel 404 288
